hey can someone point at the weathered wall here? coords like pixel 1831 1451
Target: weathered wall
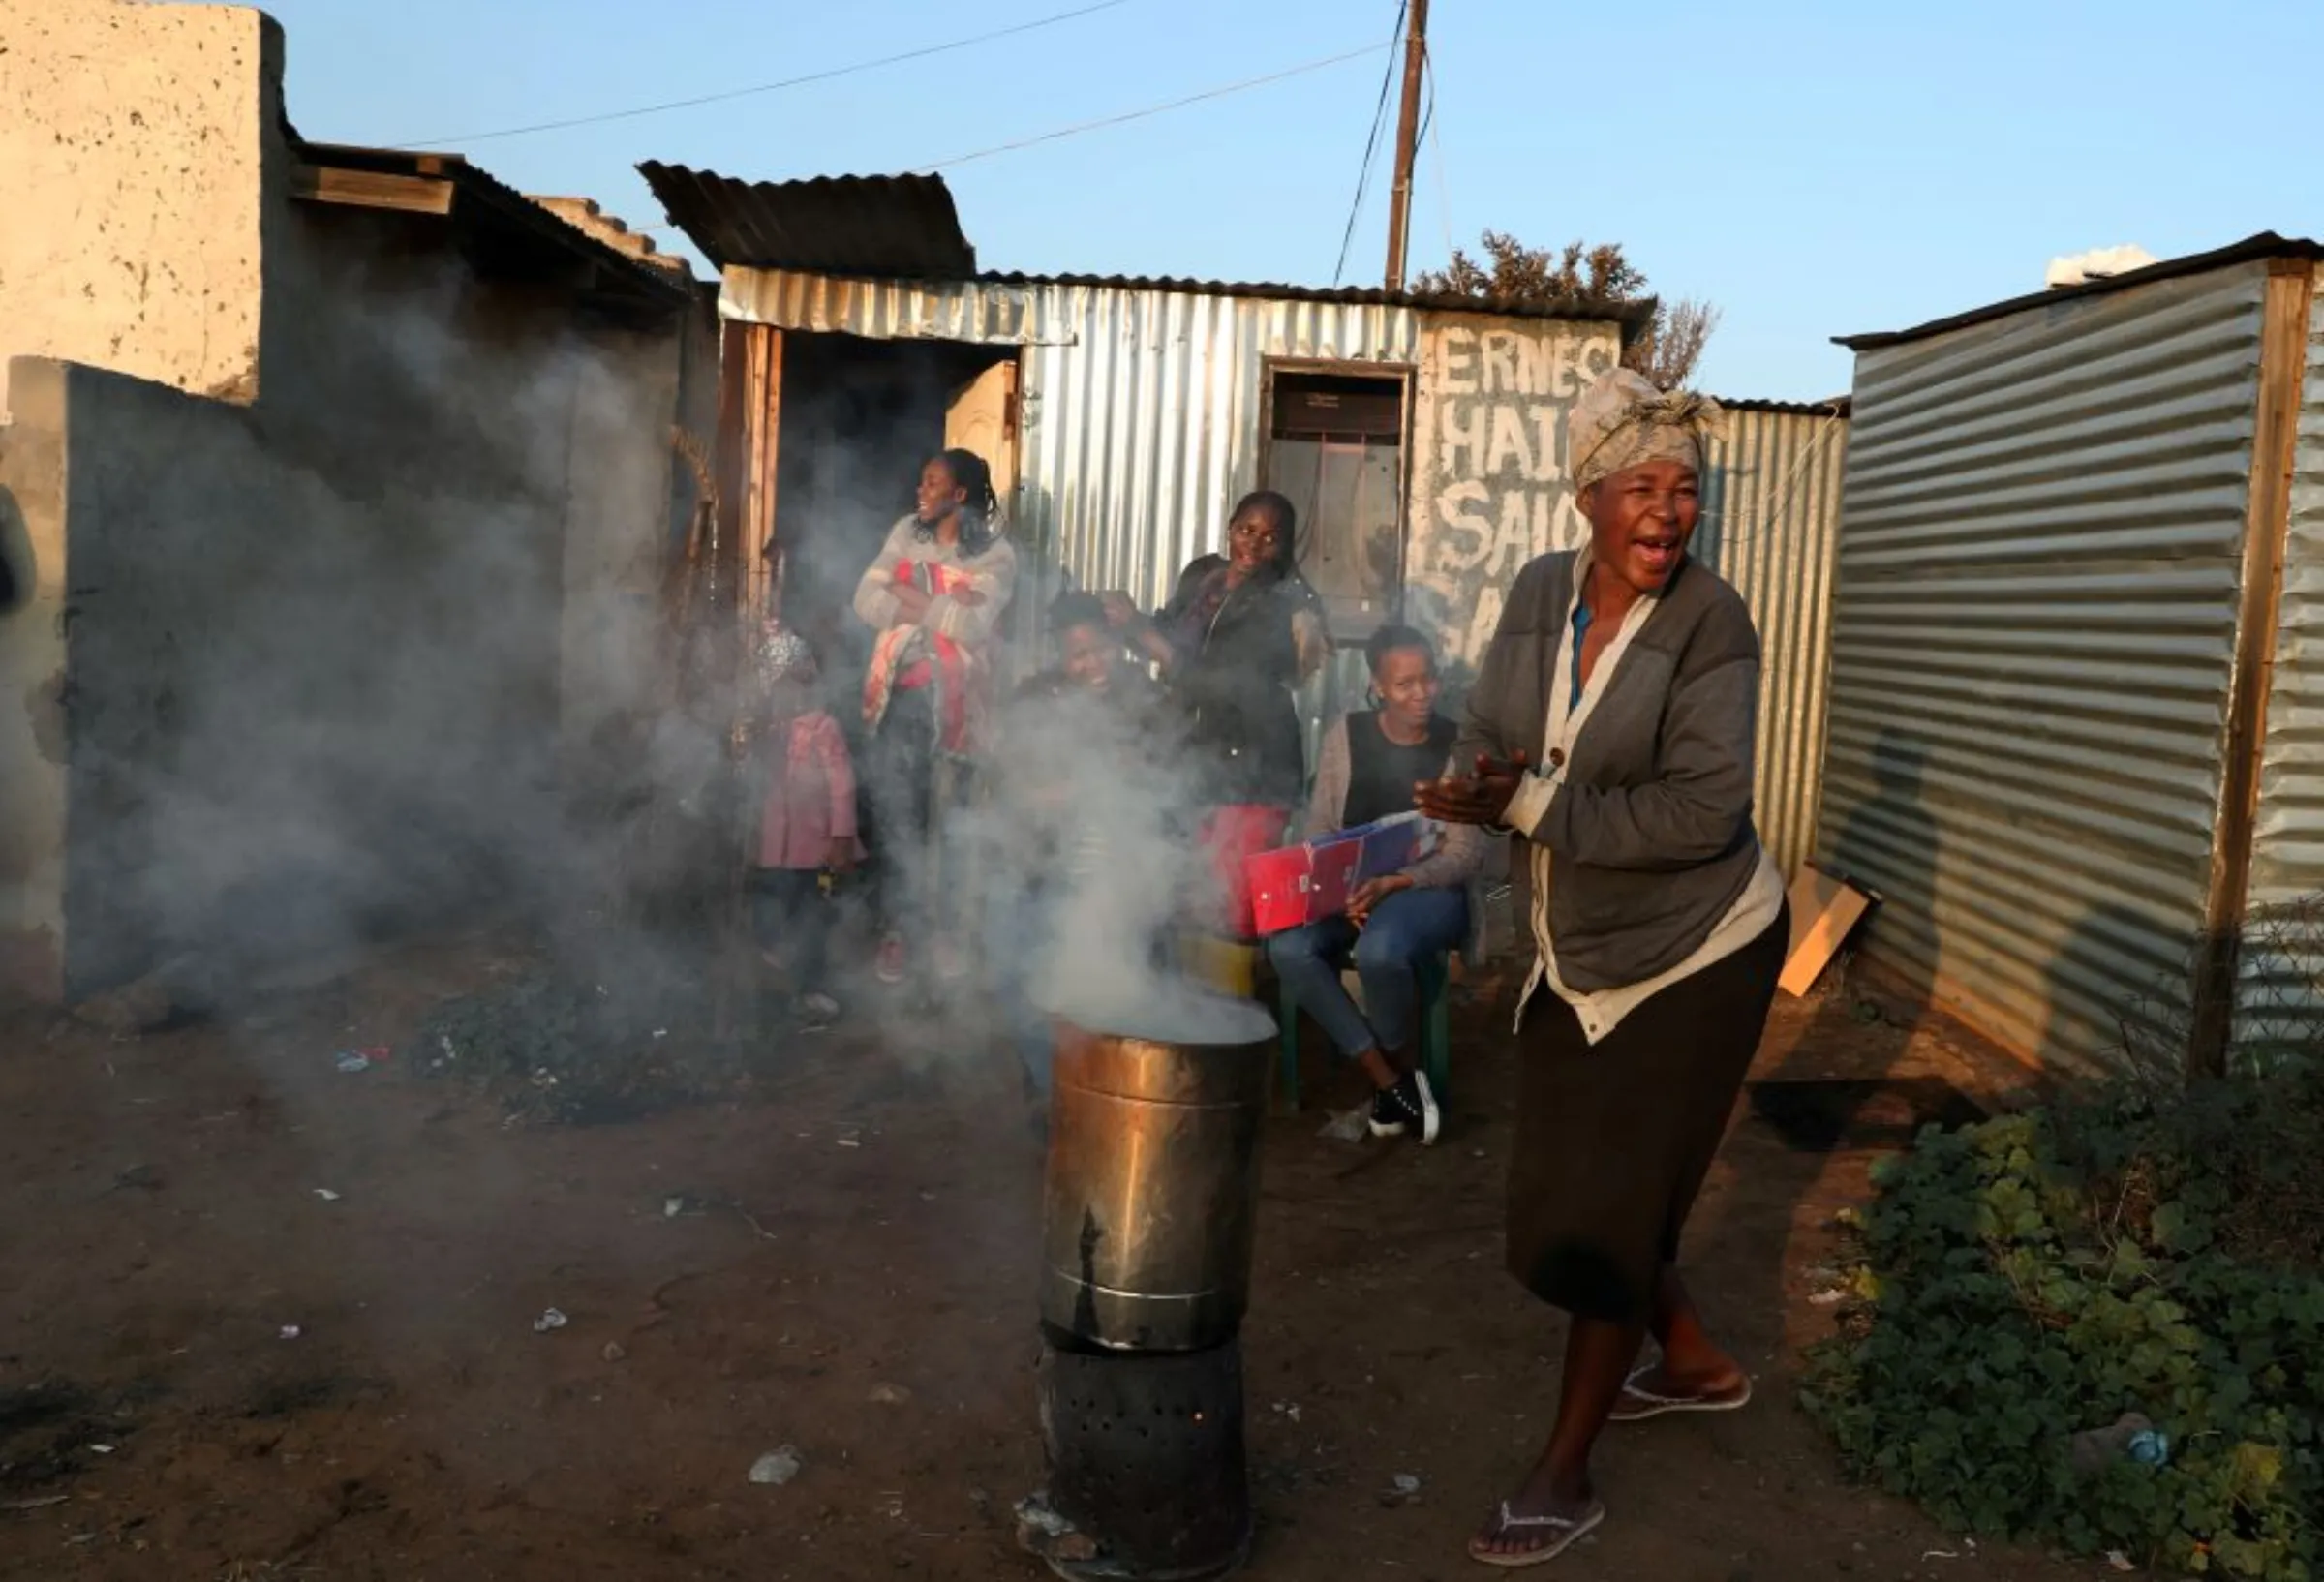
pixel 324 646
pixel 130 150
pixel 2033 640
pixel 1771 526
pixel 32 677
pixel 308 699
pixel 619 505
pixel 1490 489
pixel 2279 998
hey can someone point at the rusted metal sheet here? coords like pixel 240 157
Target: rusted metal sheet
pixel 845 225
pixel 1770 525
pixel 2279 997
pixel 2032 643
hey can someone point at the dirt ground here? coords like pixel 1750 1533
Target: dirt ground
pixel 209 1371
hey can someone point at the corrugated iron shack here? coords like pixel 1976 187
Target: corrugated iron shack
pixel 2078 650
pixel 1421 437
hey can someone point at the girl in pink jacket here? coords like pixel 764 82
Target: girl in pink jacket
pixel 806 821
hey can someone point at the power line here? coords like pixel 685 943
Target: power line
pixel 1371 145
pixel 1150 110
pixel 921 54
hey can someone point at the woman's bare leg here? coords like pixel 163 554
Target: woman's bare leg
pixel 1692 1363
pixel 1599 1356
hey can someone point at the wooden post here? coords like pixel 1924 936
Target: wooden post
pixel 1408 126
pixel 2290 295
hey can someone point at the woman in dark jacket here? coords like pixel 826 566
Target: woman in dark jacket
pixel 1241 632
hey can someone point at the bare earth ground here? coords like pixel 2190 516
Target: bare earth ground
pixel 868 1220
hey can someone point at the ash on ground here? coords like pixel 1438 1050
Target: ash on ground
pixel 568 1044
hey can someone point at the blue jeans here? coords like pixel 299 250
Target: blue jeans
pixel 1405 928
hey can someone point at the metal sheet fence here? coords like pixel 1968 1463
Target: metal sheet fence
pixel 2279 997
pixel 1770 525
pixel 2031 645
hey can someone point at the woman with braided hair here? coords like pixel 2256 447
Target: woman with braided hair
pixel 935 595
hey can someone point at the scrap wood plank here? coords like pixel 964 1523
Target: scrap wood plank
pixel 370 190
pixel 1823 911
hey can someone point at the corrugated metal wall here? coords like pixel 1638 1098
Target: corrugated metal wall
pixel 1142 431
pixel 2031 647
pixel 1770 525
pixel 1140 407
pixel 2279 996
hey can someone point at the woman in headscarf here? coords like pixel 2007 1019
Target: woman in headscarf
pixel 935 595
pixel 1611 730
pixel 1241 631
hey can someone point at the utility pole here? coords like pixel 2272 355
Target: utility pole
pixel 1407 125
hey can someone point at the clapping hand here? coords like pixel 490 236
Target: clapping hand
pixel 1481 798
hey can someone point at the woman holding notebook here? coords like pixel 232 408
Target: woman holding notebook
pixel 1369 764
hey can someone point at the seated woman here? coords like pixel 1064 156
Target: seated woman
pixel 1369 765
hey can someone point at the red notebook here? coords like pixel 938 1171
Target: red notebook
pixel 1306 883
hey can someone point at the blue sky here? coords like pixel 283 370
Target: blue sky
pixel 1814 170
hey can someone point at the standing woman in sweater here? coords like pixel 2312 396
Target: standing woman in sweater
pixel 1611 731
pixel 935 595
pixel 1241 631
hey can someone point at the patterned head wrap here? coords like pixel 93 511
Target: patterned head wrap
pixel 1623 422
pixel 783 654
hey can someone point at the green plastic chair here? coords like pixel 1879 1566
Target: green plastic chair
pixel 1433 976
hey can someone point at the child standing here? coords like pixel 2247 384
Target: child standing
pixel 807 820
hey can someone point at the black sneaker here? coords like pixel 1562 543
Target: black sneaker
pixel 1409 1106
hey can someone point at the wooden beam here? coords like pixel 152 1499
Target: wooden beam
pixel 370 190
pixel 2283 333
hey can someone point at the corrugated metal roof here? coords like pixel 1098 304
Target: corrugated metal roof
pixel 884 229
pixel 507 212
pixel 1633 317
pixel 1837 406
pixel 2266 245
pixel 903 226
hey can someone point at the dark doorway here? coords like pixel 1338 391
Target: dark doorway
pixel 858 419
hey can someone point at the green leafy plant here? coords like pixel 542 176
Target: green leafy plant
pixel 2044 1273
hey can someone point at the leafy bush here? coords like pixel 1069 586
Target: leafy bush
pixel 2046 1272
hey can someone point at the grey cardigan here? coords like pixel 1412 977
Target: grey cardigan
pixel 1650 831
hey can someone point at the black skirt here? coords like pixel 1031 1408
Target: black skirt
pixel 1613 1139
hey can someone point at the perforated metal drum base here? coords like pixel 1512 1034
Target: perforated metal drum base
pixel 1145 1460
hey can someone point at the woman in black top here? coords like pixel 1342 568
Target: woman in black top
pixel 1369 764
pixel 1239 633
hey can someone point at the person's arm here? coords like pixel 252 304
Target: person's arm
pixel 1456 858
pixel 971 618
pixel 876 604
pixel 1327 799
pixel 1693 813
pixel 1310 643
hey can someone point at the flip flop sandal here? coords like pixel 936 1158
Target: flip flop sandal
pixel 1636 1405
pixel 1565 1532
